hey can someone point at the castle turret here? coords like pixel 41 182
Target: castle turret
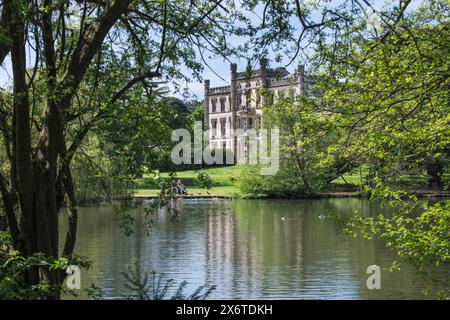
pixel 233 102
pixel 300 74
pixel 301 69
pixel 264 84
pixel 206 114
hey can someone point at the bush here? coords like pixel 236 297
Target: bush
pixel 284 184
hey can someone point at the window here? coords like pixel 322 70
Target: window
pixel 270 98
pixel 248 97
pixel 258 98
pixel 214 127
pixel 222 126
pixel 213 104
pixel 222 104
pixel 250 123
pixel 292 95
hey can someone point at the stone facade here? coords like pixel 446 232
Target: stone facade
pixel 239 105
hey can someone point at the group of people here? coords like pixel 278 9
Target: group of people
pixel 178 187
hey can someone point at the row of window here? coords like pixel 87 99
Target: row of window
pixel 246 97
pixel 222 102
pixel 242 123
pixel 249 84
pixel 282 94
pixel 222 126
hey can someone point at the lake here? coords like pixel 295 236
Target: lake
pixel 247 250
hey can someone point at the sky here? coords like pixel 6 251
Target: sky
pixel 219 65
pixel 222 67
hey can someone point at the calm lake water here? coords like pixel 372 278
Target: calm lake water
pixel 246 250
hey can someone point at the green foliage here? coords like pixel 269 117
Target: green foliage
pixel 385 104
pixel 383 107
pixel 418 232
pixel 252 183
pixel 391 95
pixel 204 180
pixel 145 286
pixel 309 154
pixel 13 268
pixel 127 207
pixel 100 177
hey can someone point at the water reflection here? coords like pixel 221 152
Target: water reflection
pixel 247 250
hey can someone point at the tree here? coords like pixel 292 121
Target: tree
pixel 309 156
pixel 392 94
pixel 76 46
pixel 89 60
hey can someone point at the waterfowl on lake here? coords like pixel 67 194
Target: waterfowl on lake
pixel 320 216
pixel 283 218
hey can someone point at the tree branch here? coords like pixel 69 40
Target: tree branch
pixel 91 41
pixel 132 82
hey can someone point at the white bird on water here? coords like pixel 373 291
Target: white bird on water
pixel 321 216
pixel 283 218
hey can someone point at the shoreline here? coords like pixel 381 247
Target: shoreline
pixel 321 195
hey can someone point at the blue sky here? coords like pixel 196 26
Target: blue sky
pixel 219 65
pixel 222 67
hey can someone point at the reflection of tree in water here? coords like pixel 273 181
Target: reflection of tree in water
pixel 246 250
pixel 302 256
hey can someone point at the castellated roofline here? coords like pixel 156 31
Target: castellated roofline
pixel 280 72
pixel 275 76
pixel 219 90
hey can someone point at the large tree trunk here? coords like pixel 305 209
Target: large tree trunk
pixel 26 240
pixel 40 176
pixel 3 222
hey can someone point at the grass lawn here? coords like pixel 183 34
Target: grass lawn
pixel 224 182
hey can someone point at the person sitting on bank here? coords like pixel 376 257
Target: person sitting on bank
pixel 180 188
pixel 174 187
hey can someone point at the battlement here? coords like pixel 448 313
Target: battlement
pixel 220 90
pixel 290 81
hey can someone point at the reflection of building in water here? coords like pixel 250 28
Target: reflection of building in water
pixel 219 244
pixel 254 249
pixel 170 211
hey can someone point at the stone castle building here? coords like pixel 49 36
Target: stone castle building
pixel 239 105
